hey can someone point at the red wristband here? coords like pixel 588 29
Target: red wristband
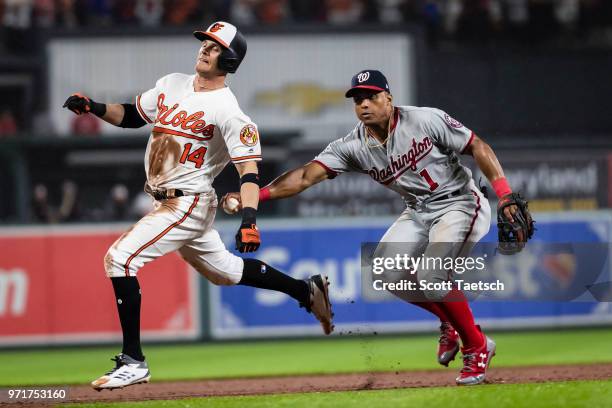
pixel 501 187
pixel 264 194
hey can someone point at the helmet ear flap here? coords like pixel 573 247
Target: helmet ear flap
pixel 231 57
pixel 228 61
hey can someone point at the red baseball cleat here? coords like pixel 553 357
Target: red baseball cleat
pixel 448 345
pixel 475 363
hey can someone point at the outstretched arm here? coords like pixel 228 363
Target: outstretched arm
pixel 294 181
pixel 286 185
pixel 122 115
pixel 114 114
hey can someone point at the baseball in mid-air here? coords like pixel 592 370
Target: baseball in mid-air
pixel 230 206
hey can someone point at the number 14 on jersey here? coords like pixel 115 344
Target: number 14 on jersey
pixel 197 156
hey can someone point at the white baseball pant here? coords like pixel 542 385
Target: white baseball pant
pixel 184 224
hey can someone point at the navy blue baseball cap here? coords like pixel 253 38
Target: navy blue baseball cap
pixel 368 79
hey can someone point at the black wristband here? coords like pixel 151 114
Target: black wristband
pixel 249 215
pixel 131 118
pixel 250 178
pixel 98 109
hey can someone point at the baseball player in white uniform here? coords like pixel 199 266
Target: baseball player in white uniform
pixel 198 128
pixel 415 152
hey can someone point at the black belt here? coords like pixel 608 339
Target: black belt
pixel 455 193
pixel 164 194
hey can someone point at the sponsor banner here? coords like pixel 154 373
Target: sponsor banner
pixel 559 181
pixel 562 180
pixel 53 289
pixel 285 83
pixel 332 247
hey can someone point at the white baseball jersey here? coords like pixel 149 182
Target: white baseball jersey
pixel 419 160
pixel 195 134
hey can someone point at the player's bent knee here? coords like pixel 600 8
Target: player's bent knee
pixel 109 261
pixel 114 264
pixel 217 276
pixel 220 270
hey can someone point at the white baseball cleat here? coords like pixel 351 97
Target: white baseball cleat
pixel 127 371
pixel 320 305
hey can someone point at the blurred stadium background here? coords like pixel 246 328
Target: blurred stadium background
pixel 532 77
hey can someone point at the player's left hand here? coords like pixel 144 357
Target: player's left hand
pixel 78 103
pixel 247 238
pixel 514 223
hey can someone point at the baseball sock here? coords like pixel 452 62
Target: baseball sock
pixel 260 275
pixel 127 293
pixel 460 315
pixel 433 308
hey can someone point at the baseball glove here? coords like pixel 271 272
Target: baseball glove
pixel 514 224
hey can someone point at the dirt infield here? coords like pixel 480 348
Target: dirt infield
pixel 337 382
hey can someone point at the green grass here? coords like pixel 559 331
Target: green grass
pixel 355 354
pixel 591 394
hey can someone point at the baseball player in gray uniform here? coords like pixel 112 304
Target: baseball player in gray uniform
pixel 415 152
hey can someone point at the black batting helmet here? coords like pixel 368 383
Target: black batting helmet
pixel 233 43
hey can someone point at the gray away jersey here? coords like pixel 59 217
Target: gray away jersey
pixel 419 161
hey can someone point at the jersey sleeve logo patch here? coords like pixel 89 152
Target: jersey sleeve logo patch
pixel 452 122
pixel 249 135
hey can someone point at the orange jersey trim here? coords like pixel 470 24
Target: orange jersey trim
pixel 141 111
pixel 160 235
pixel 254 157
pixel 177 133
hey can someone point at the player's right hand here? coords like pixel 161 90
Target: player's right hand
pixel 247 238
pixel 78 103
pixel 514 223
pixel 229 205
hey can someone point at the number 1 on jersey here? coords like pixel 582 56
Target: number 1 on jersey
pixel 196 156
pixel 432 184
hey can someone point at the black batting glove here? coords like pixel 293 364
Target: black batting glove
pixel 81 104
pixel 247 237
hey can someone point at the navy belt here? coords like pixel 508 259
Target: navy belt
pixel 455 193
